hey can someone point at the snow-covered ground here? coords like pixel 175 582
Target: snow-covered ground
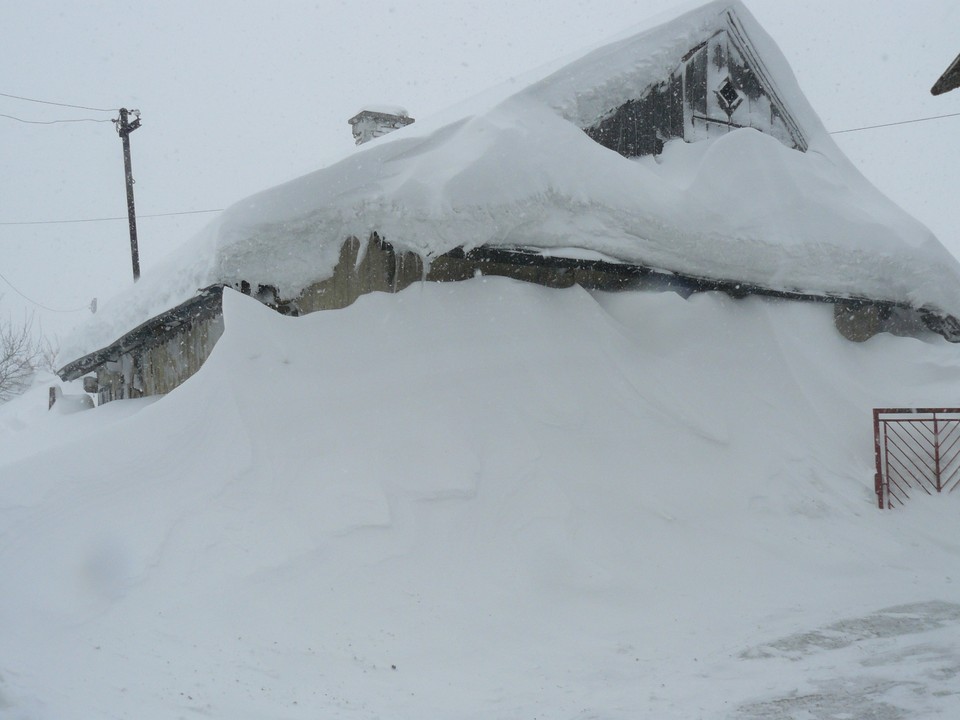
pixel 486 499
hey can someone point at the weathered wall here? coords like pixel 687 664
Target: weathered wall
pixel 158 369
pixel 164 367
pixel 364 267
pixel 449 269
pixel 377 267
pixel 373 266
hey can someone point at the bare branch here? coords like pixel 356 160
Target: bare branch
pixel 20 356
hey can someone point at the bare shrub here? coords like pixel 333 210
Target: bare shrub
pixel 21 354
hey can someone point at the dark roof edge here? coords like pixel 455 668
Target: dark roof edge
pixel 209 300
pixel 950 80
pixel 936 320
pixel 206 303
pixel 742 40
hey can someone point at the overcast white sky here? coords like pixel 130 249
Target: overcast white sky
pixel 239 96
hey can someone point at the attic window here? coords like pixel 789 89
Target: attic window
pixel 728 97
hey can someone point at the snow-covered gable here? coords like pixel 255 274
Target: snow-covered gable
pixel 781 209
pixel 375 121
pixel 692 85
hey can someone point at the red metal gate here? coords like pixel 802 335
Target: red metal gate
pixel 918 450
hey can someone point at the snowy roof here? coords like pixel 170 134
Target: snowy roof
pixel 515 168
pixel 950 80
pixel 380 109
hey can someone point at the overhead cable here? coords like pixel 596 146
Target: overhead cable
pixel 55 122
pixel 901 122
pixel 106 219
pixel 58 104
pixel 38 304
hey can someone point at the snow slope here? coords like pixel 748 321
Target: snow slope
pixel 514 168
pixel 486 499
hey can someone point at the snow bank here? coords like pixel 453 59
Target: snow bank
pixel 486 499
pixel 519 171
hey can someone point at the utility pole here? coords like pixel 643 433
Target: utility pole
pixel 124 128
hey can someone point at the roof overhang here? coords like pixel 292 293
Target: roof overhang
pixel 205 304
pixel 950 80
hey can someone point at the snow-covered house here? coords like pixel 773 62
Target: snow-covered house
pixel 681 156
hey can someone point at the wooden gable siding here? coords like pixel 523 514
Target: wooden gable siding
pixel 640 127
pixel 718 85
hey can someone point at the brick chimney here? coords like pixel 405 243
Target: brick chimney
pixel 372 122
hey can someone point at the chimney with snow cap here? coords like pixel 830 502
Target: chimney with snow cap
pixel 376 120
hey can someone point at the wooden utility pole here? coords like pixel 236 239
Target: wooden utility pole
pixel 124 128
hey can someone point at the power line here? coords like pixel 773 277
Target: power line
pixel 901 122
pixel 58 104
pixel 40 305
pixel 54 122
pixel 106 219
pixel 212 210
pixel 110 110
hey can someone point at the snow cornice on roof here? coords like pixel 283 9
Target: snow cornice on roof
pixel 515 168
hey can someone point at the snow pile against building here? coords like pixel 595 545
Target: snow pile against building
pixel 486 499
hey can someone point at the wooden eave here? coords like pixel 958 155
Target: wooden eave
pixel 950 80
pixel 381 116
pixel 942 323
pixel 205 304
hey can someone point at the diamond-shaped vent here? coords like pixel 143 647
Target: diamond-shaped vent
pixel 728 97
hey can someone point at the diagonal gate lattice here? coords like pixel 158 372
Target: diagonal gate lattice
pixel 917 451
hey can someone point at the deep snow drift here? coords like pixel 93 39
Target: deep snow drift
pixel 486 499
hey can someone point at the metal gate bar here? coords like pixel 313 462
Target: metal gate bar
pixel 917 449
